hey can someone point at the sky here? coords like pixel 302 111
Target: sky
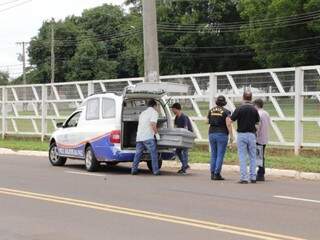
pixel 21 23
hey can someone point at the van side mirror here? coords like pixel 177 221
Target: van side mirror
pixel 59 125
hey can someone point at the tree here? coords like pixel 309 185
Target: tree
pixel 66 34
pixel 86 47
pixel 87 64
pixel 275 28
pixel 4 78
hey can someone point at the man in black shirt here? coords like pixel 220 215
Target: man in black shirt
pixel 247 118
pixel 182 121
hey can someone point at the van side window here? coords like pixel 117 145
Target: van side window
pixel 108 108
pixel 73 120
pixel 92 110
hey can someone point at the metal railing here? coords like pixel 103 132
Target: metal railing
pixel 292 97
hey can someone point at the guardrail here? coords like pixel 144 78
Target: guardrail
pixel 292 97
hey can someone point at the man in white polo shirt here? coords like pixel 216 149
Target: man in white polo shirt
pixel 147 132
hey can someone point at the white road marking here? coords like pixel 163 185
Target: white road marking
pixel 84 173
pixel 297 199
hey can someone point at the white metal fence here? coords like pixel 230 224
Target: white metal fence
pixel 292 98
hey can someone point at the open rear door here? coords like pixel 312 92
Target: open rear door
pixel 161 87
pixel 154 90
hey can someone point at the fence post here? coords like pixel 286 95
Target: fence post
pixel 90 88
pixel 298 110
pixel 213 86
pixel 4 112
pixel 44 96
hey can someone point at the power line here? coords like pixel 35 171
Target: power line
pixel 217 30
pixel 240 46
pixel 240 23
pixel 247 53
pixel 14 6
pixel 10 2
pixel 100 38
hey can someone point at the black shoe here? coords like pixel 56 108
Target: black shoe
pixel 253 181
pixel 260 179
pixel 218 177
pixel 187 167
pixel 134 173
pixel 243 182
pixel 182 172
pixel 212 176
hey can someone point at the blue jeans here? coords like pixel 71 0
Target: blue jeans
pixel 182 154
pixel 218 145
pixel 247 147
pixel 151 146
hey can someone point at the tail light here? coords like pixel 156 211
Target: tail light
pixel 115 136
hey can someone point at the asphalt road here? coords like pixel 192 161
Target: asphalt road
pixel 41 202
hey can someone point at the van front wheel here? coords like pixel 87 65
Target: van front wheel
pixel 54 158
pixel 149 164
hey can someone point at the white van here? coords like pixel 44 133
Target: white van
pixel 104 128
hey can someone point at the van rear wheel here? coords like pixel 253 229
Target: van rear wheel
pixel 149 164
pixel 91 162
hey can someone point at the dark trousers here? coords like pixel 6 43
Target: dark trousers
pixel 261 169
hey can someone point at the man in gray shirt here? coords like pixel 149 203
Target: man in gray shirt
pixel 262 137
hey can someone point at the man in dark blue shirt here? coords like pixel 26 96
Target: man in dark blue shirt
pixel 182 121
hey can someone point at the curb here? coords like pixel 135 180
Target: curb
pixel 236 169
pixel 196 166
pixel 7 151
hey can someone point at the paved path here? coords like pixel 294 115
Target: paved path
pixel 41 202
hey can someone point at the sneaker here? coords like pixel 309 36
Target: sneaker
pixel 260 178
pixel 157 174
pixel 212 176
pixel 182 172
pixel 218 177
pixel 243 182
pixel 253 181
pixel 187 167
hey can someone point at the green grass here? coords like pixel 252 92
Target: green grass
pixel 24 144
pixel 282 159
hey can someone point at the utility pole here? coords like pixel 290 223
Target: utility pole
pixel 52 52
pixel 150 41
pixel 23 59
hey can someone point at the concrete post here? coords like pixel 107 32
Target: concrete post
pixel 4 112
pixel 44 96
pixel 298 110
pixel 90 88
pixel 213 89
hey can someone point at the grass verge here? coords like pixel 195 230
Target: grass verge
pixel 288 161
pixel 309 161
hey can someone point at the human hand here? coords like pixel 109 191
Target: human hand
pixel 157 136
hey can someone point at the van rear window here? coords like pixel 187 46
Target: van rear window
pixel 92 110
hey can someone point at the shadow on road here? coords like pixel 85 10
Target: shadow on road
pixel 121 169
